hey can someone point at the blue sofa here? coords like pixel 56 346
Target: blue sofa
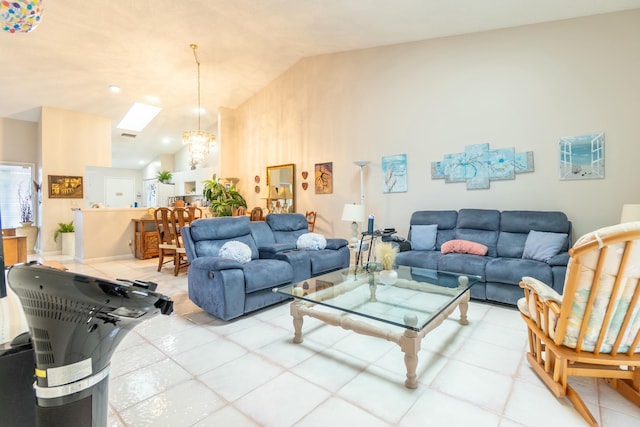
pixel 505 234
pixel 227 288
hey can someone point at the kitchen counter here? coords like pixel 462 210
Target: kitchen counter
pixel 105 233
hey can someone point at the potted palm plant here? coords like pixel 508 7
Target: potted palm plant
pixel 164 176
pixel 223 199
pixel 67 231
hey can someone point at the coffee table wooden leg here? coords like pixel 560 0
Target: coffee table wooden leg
pixel 297 320
pixel 464 306
pixel 410 345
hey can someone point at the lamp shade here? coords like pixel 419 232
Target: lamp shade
pixel 273 192
pixel 284 193
pixel 353 212
pixel 630 213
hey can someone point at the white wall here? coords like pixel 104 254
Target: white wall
pixel 95 179
pixel 18 141
pixel 68 143
pixel 523 87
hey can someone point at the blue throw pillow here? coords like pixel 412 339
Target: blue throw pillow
pixel 423 237
pixel 541 246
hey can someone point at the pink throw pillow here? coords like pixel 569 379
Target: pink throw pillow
pixel 464 247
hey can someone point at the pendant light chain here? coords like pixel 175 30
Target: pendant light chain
pixel 195 55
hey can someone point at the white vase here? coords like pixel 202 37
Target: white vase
pixel 388 277
pixel 68 243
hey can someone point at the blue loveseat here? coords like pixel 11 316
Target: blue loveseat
pixel 228 288
pixel 519 243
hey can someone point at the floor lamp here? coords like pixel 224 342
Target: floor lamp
pixel 362 164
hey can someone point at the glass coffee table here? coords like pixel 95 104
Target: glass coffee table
pixel 419 301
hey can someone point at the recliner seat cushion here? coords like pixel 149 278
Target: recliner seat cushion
pixel 324 260
pixel 421 259
pixel 512 270
pixel 464 263
pixel 266 273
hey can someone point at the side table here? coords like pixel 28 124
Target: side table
pixel 145 238
pixel 369 239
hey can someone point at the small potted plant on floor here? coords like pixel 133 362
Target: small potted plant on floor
pixel 67 231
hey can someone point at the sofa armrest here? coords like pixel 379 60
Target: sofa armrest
pixel 270 251
pixel 300 263
pixel 215 263
pixel 561 259
pixel 336 243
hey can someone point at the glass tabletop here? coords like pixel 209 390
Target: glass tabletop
pixel 418 296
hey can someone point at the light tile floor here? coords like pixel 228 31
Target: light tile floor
pixel 191 369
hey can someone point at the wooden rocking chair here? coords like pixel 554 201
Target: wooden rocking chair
pixel 593 330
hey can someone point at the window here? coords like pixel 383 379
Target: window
pixel 15 180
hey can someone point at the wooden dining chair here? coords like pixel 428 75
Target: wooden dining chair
pixel 256 214
pixel 166 236
pixel 180 218
pixel 311 220
pixel 593 330
pixel 195 212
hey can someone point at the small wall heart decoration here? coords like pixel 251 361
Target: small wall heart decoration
pixel 305 185
pixel 305 174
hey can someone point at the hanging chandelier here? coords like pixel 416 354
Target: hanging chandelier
pixel 199 141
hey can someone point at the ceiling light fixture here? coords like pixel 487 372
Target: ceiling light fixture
pixel 199 141
pixel 20 16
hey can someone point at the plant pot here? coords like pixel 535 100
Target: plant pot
pixel 68 243
pixel 31 232
pixel 388 277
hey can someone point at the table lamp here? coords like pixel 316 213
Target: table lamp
pixel 630 213
pixel 355 214
pixel 273 198
pixel 285 193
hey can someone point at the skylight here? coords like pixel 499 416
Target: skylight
pixel 138 117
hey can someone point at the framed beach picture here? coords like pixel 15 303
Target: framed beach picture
pixel 324 178
pixel 65 187
pixel 582 157
pixel 394 173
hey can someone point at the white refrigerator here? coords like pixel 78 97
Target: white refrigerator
pixel 156 194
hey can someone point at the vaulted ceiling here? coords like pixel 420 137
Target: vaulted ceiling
pixel 81 47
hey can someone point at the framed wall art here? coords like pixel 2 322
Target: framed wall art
pixel 479 164
pixel 324 178
pixel 65 187
pixel 394 172
pixel 582 157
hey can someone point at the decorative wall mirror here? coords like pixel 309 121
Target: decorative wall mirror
pixel 282 188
